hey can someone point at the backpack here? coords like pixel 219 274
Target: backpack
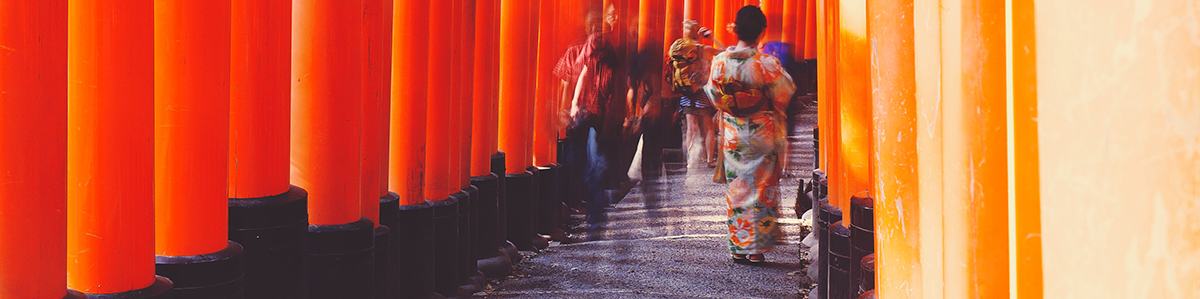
pixel 687 71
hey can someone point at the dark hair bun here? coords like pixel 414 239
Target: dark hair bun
pixel 750 23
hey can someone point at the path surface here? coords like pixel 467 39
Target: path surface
pixel 672 249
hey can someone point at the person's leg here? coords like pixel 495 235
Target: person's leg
pixel 690 139
pixel 592 179
pixel 710 139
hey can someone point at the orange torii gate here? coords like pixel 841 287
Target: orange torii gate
pixel 267 215
pixel 326 151
pixel 110 150
pixel 33 150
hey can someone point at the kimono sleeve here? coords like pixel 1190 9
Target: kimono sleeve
pixel 779 86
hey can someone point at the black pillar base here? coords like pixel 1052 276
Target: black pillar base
pixel 213 275
pixel 488 233
pixel 498 168
pixel 446 276
pixel 341 260
pixel 498 265
pixel 550 202
pixel 827 216
pixel 389 215
pixel 415 234
pixel 73 294
pixel 509 249
pixel 840 281
pixel 467 228
pixel 534 209
pixel 862 235
pixel 162 288
pixel 866 281
pixel 520 188
pixel 272 232
pixel 385 285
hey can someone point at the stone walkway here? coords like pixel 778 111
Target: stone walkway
pixel 672 247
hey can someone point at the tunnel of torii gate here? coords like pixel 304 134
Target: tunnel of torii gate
pixel 379 148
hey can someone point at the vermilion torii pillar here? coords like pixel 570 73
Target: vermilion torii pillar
pixel 545 135
pixel 372 203
pixel 191 149
pixel 326 129
pixel 439 110
pixel 473 280
pixel 810 30
pixel 492 262
pixel 894 153
pixel 409 90
pixel 773 9
pixel 110 149
pixel 724 12
pixel 33 150
pixel 516 102
pixel 267 215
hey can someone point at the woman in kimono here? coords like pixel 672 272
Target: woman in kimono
pixel 751 91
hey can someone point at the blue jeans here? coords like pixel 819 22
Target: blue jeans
pixel 586 159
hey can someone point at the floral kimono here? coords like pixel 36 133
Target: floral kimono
pixel 751 90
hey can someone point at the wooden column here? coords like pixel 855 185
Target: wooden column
pixel 438 102
pixel 327 76
pixel 484 95
pixel 327 108
pixel 894 156
pixel 724 13
pixel 466 77
pixel 261 199
pixel 407 139
pixel 694 10
pixel 1025 215
pixel 854 102
pixel 408 105
pixel 545 137
pixel 259 98
pixel 385 101
pixel 773 9
pixel 191 117
pixel 515 71
pixel 810 29
pixel 927 60
pixel 974 157
pixel 788 19
pixel 373 122
pixel 33 149
pixel 110 147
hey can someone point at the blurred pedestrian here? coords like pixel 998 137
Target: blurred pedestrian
pixel 751 90
pixel 689 61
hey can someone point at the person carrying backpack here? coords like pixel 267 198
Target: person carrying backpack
pixel 687 73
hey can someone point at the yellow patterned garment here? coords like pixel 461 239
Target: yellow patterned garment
pixel 751 91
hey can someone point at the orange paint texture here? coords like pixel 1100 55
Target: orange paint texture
pixel 373 69
pixel 545 137
pixel 483 128
pixel 385 101
pixel 33 149
pixel 327 107
pixel 894 153
pixel 438 103
pixel 465 111
pixel 516 97
pixel 110 146
pixel 191 127
pixel 259 98
pixel 408 107
pixel 854 102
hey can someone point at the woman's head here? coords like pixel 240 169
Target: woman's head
pixel 750 23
